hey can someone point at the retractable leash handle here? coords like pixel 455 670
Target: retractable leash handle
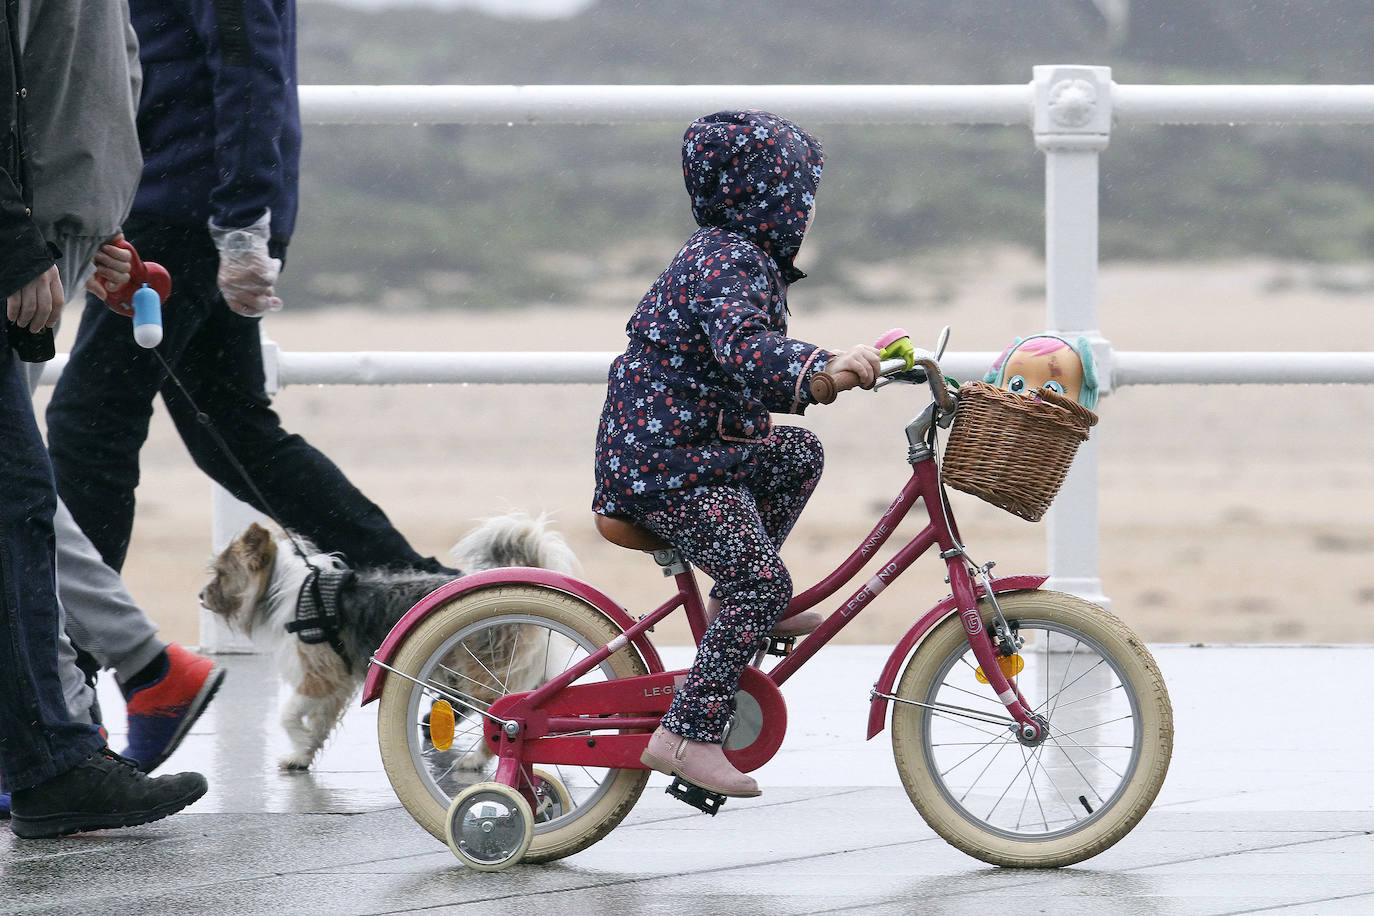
pixel 141 297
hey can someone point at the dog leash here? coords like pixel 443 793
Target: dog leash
pixel 318 618
pixel 140 298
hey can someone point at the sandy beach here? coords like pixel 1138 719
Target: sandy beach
pixel 1228 513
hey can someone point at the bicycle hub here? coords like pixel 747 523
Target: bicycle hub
pixel 1033 733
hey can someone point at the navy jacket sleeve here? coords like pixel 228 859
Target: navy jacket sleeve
pixel 737 316
pixel 248 54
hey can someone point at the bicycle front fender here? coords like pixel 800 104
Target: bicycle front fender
pixel 510 575
pixel 877 710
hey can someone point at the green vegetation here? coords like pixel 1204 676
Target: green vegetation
pixel 485 217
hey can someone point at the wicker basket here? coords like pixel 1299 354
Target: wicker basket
pixel 1013 450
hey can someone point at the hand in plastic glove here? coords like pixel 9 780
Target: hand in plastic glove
pixel 37 304
pixel 247 274
pixel 113 266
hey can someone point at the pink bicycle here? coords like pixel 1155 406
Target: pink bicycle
pixel 1030 728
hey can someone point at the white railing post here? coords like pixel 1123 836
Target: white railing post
pixel 1072 123
pixel 228 517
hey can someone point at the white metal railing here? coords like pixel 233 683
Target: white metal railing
pixel 899 104
pixel 394 367
pixel 1071 111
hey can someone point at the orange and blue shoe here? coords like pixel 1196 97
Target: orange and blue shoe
pixel 162 712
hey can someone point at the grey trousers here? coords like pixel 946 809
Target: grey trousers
pixel 98 613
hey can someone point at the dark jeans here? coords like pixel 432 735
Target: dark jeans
pixel 99 413
pixel 37 739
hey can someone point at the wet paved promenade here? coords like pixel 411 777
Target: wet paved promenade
pixel 1268 807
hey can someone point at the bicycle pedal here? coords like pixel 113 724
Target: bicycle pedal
pixel 695 795
pixel 781 646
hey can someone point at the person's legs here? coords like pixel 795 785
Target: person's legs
pixel 77 687
pixel 38 740
pixel 720 532
pixel 97 422
pixel 786 468
pixel 100 613
pixel 102 617
pixel 166 687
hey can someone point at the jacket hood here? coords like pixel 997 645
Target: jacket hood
pixel 756 174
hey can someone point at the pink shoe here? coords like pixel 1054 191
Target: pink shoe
pixel 699 762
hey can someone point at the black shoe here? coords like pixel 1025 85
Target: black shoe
pixel 102 792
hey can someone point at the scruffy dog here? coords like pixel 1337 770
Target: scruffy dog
pixel 257 580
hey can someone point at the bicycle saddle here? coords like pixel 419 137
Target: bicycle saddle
pixel 622 532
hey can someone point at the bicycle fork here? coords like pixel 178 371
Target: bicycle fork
pixel 1031 729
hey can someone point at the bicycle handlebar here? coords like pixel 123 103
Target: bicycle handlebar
pixel 826 386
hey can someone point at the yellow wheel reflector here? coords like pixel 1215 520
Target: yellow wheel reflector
pixel 1011 666
pixel 441 724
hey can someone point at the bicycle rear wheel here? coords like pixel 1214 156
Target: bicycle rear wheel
pixel 1049 804
pixel 480 647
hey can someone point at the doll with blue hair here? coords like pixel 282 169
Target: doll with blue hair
pixel 1047 361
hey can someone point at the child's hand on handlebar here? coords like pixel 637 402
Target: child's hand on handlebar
pixel 862 361
pixel 113 268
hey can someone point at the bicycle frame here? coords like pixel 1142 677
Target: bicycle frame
pixel 607 724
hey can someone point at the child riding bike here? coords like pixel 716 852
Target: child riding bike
pixel 686 446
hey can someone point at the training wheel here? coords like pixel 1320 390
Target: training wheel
pixel 489 826
pixel 552 798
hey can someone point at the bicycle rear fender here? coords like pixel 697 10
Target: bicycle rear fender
pixel 511 575
pixel 877 710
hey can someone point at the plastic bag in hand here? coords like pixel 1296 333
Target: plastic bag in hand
pixel 247 273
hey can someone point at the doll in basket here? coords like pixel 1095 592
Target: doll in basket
pixel 1047 361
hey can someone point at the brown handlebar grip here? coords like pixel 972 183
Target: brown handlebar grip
pixel 823 388
pixel 826 385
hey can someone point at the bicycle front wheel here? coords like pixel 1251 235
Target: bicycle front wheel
pixel 470 653
pixel 1036 805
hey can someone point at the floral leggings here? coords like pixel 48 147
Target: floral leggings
pixel 732 533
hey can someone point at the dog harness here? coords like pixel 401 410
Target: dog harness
pixel 317 609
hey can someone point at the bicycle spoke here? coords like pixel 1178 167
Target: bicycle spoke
pixel 962 720
pixel 995 804
pixel 1099 760
pixel 1054 784
pixel 1035 755
pixel 1091 696
pixel 1049 697
pixel 496 680
pixel 1100 661
pixel 466 699
pixel 1086 728
pixel 457 673
pixel 974 784
pixel 978 696
pixel 514 652
pixel 980 748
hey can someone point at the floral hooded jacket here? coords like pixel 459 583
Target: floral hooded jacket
pixel 709 356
